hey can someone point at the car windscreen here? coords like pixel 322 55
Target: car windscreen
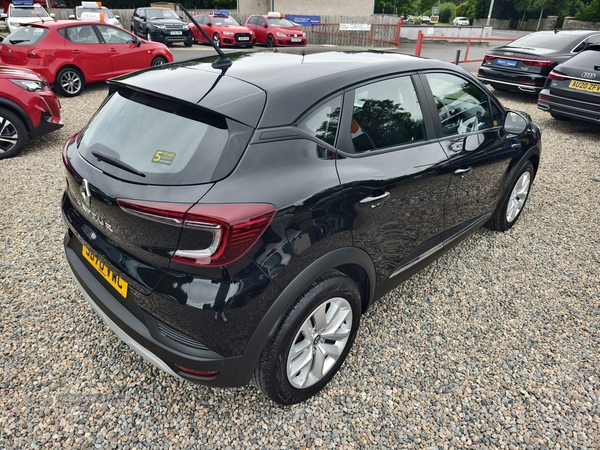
pixel 25 36
pixel 162 14
pixel 224 21
pixel 28 12
pixel 103 10
pixel 556 41
pixel 277 22
pixel 157 141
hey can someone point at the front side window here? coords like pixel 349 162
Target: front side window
pixel 113 35
pixel 462 106
pixel 386 114
pixel 323 122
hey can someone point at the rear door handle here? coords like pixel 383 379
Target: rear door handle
pixel 462 171
pixel 374 199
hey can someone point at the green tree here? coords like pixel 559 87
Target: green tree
pixel 589 12
pixel 447 10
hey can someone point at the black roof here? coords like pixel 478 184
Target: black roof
pixel 290 83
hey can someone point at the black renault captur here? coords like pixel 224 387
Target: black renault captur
pixel 234 224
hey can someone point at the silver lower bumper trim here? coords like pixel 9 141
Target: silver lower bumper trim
pixel 132 343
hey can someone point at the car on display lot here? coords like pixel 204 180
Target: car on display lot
pixel 28 108
pixel 94 11
pixel 274 30
pixel 525 63
pixel 161 25
pixel 460 22
pixel 572 90
pixel 426 20
pixel 24 12
pixel 223 30
pixel 72 53
pixel 294 192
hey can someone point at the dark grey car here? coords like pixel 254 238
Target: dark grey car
pixel 161 25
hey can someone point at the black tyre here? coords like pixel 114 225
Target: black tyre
pixel 560 117
pixel 515 201
pixel 189 42
pixel 270 41
pixel 312 341
pixel 159 61
pixel 13 134
pixel 69 82
pixel 217 40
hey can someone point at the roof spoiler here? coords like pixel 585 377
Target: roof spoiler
pixel 223 63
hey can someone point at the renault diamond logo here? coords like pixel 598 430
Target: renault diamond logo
pixel 589 75
pixel 85 193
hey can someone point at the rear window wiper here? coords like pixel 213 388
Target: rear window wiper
pixel 18 41
pixel 117 163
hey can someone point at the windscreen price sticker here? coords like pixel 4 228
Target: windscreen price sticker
pixel 162 157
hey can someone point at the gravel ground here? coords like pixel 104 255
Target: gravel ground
pixel 494 345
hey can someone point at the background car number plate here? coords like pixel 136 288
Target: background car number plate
pixel 176 32
pixel 296 40
pixel 585 86
pixel 115 281
pixel 243 38
pixel 507 62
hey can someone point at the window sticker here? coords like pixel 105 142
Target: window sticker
pixel 162 157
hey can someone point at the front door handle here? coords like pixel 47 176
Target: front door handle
pixel 374 199
pixel 462 171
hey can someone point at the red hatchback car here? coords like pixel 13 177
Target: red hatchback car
pixel 28 107
pixel 224 31
pixel 274 30
pixel 72 53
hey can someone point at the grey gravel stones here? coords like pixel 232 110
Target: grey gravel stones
pixel 494 345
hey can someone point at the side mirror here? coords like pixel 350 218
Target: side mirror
pixel 117 16
pixel 209 24
pixel 71 16
pixel 143 18
pixel 515 123
pixel 53 15
pixel 3 15
pixel 1 38
pixel 265 25
pixel 137 42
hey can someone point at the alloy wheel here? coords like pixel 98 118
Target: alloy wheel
pixel 319 343
pixel 9 135
pixel 518 196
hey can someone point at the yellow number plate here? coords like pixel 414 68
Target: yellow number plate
pixel 115 281
pixel 585 86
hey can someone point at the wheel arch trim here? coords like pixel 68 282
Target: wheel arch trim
pixel 270 322
pixel 19 111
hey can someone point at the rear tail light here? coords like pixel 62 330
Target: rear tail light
pixel 543 98
pixel 488 57
pixel 235 227
pixel 554 75
pixel 36 53
pixel 538 62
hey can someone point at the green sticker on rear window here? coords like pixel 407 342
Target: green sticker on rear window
pixel 163 157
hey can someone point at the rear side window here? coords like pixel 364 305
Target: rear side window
pixel 26 36
pixel 164 142
pixel 323 122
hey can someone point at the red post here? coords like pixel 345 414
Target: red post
pixel 419 43
pixel 467 50
pixel 399 27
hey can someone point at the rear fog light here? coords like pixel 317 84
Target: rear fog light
pixel 196 373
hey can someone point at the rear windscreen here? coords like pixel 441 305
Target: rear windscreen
pixel 26 36
pixel 556 41
pixel 151 140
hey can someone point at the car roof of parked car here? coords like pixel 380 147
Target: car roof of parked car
pixel 293 83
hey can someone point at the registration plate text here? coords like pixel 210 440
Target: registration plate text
pixel 243 38
pixel 585 86
pixel 175 33
pixel 113 279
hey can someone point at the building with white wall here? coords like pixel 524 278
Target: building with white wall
pixel 309 7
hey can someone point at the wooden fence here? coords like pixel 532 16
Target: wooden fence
pixel 383 31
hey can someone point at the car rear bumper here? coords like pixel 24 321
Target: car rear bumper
pixel 137 332
pixel 526 82
pixel 576 109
